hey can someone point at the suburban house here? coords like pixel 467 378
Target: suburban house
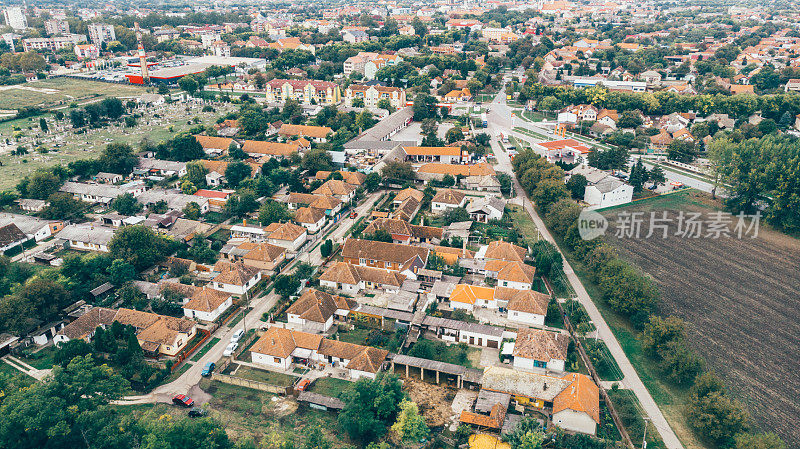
pixel 33 227
pixel 573 398
pixel 467 297
pixel 438 170
pixel 11 236
pixel 101 193
pixel 524 306
pixel 174 198
pixel 608 192
pixel 86 237
pixel 314 311
pixel 404 194
pixel 390 256
pixel 287 235
pixel 235 278
pixel 445 155
pixel 566 150
pixel 351 279
pixel 207 304
pixel 159 167
pixel 486 208
pixel 281 348
pixel 404 232
pixel 215 146
pixel 259 149
pixel 463 332
pixel 537 348
pixel 260 255
pixel 447 199
pixel 510 273
pixel 337 189
pixel 157 334
pixel 501 250
pixel 310 218
pixel 329 204
pixel 316 133
pixel 216 198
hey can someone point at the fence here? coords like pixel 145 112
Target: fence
pixel 593 373
pixel 183 355
pixel 233 380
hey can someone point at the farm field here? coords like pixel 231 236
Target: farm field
pixel 64 146
pixel 739 299
pixel 55 92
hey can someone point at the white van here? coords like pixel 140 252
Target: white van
pixel 237 336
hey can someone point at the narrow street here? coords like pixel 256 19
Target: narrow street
pixel 498 117
pixel 261 304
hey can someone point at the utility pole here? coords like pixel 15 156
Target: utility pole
pixel 644 435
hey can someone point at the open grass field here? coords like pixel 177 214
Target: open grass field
pixel 56 92
pixel 269 377
pixel 330 386
pixel 739 299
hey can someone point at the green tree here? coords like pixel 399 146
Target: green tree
pixel 454 134
pixel 43 124
pixel 126 204
pixel 767 440
pixel 715 415
pixel 63 206
pixel 192 211
pixel 121 272
pixel 316 160
pixel 372 182
pixel 561 215
pixel 326 248
pixel 657 176
pixel 140 246
pixel 118 158
pixel 236 172
pixel 184 147
pixel 549 191
pixel 357 102
pixel 456 214
pixel 398 171
pixel 577 186
pixel 384 103
pixel 196 173
pixel 272 212
pixel 370 405
pixel 286 285
pixel 40 185
pixel 189 84
pixel 410 425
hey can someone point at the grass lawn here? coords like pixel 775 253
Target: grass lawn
pixel 454 353
pixel 176 374
pixel 62 91
pixel 268 377
pixel 630 412
pixel 604 362
pixel 330 386
pixel 524 224
pixel 42 359
pixel 197 355
pixel 357 336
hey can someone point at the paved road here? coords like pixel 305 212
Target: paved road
pixel 501 113
pixel 188 381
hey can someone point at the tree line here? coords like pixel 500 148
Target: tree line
pixel 634 296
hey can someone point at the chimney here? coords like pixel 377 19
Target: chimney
pixel 544 387
pixel 244 222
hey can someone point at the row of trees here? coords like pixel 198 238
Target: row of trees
pixel 635 296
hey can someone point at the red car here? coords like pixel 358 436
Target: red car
pixel 183 400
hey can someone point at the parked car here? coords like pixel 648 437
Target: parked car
pixel 183 400
pixel 303 385
pixel 197 412
pixel 208 369
pixel 237 336
pixel 353 214
pixel 230 349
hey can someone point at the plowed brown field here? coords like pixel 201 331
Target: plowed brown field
pixel 741 301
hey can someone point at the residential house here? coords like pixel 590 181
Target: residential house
pixel 207 304
pixel 281 348
pixel 446 199
pixel 404 232
pixel 174 199
pixel 337 189
pixel 486 208
pixel 351 279
pixel 501 250
pixel 510 273
pixel 11 236
pixel 457 331
pixel 157 334
pixel 286 235
pixel 261 255
pixel 608 117
pixel 538 348
pixel 574 398
pixel 314 311
pixel 565 150
pixel 316 133
pixel 390 256
pixel 86 237
pixel 33 227
pixel 438 170
pixel 467 297
pixel 445 155
pixel 608 192
pixel 215 146
pixel 101 193
pixel 216 199
pixel 329 204
pixel 524 306
pixel 312 219
pixel 260 149
pixel 235 278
